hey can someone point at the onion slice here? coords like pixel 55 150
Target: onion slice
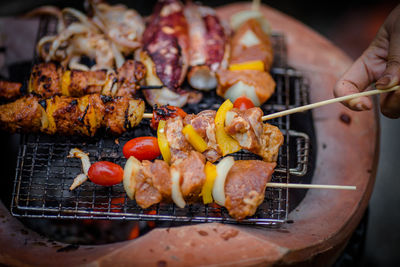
pixel 80 179
pixel 84 157
pixel 223 168
pixel 131 169
pixel 176 190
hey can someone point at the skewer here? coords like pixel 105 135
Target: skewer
pixel 312 186
pixel 255 5
pixel 326 102
pixel 143 87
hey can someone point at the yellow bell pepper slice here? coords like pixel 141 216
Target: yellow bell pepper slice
pixel 65 82
pixel 248 65
pixel 163 142
pixel 194 138
pixel 211 173
pixel 225 142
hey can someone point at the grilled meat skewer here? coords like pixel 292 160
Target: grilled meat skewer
pixel 246 127
pixel 50 79
pixel 244 186
pixel 71 116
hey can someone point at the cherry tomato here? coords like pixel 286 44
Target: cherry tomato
pixel 165 112
pixel 145 147
pixel 105 173
pixel 243 103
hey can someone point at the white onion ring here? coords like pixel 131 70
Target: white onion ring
pixel 223 168
pixel 131 169
pixel 176 190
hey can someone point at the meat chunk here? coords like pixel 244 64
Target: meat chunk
pixel 249 43
pixel 178 145
pixel 86 82
pixel 192 175
pixel 45 79
pixel 245 187
pixel 22 115
pixel 252 134
pixel 204 125
pixel 158 171
pixel 239 124
pixel 130 74
pixel 146 194
pixel 271 141
pixel 255 84
pixel 10 90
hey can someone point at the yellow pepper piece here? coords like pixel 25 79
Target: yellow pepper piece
pixel 194 138
pixel 211 173
pixel 225 142
pixel 163 142
pixel 65 82
pixel 248 65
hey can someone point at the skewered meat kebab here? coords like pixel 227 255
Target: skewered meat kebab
pixel 239 186
pixel 250 60
pixel 209 46
pixel 165 53
pixel 50 79
pixel 71 116
pixel 245 127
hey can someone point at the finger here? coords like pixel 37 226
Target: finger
pixel 355 80
pixel 391 76
pixel 390 104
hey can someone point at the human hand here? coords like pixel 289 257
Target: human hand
pixel 380 63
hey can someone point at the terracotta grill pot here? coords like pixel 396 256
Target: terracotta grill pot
pixel 322 223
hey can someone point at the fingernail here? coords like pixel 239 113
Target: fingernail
pixel 359 106
pixel 384 81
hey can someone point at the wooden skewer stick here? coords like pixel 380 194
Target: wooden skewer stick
pixel 312 186
pixel 326 102
pixel 147 115
pixel 255 5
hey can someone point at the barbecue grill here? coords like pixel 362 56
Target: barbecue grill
pixel 317 228
pixel 44 173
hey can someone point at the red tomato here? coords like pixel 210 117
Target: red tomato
pixel 105 173
pixel 243 103
pixel 145 147
pixel 165 112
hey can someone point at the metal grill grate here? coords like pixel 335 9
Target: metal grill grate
pixel 44 173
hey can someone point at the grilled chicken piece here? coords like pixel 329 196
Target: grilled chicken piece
pixel 178 145
pixel 130 75
pixel 249 43
pixel 255 84
pixel 192 173
pixel 49 79
pixel 204 125
pixel 153 183
pixel 252 134
pixel 71 116
pixel 245 187
pixel 45 79
pixel 10 90
pixel 22 115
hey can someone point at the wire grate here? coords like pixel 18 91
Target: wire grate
pixel 44 173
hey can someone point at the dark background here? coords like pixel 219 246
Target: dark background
pixel 351 25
